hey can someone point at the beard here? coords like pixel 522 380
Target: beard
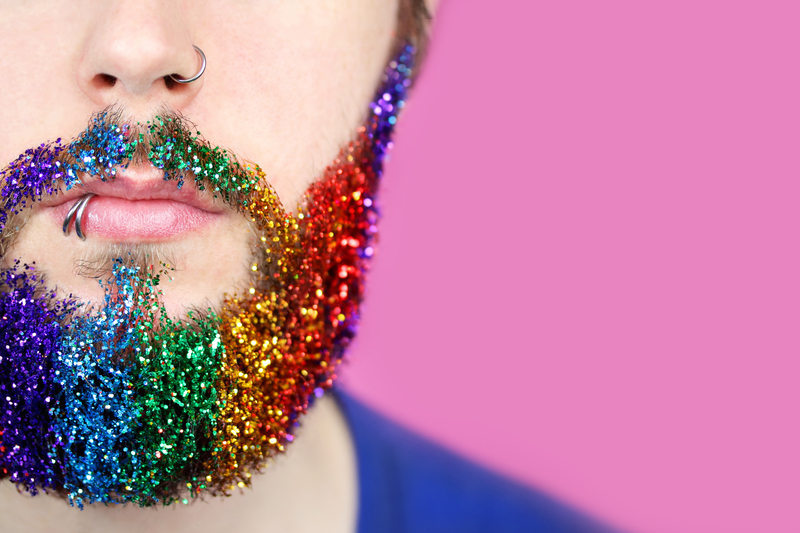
pixel 120 402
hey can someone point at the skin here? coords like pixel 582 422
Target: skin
pixel 287 84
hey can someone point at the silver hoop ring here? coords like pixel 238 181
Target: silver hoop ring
pixel 202 69
pixel 77 211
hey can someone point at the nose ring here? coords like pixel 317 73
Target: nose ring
pixel 77 210
pixel 200 73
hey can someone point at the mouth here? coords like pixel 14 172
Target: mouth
pixel 138 204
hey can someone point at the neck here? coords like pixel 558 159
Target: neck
pixel 312 487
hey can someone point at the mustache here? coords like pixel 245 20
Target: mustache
pixel 201 401
pixel 112 139
pixel 169 141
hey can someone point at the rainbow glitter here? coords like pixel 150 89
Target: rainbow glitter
pixel 125 404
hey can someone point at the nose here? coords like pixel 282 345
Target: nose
pixel 130 53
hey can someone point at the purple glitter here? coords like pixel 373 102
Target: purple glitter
pixel 31 175
pixel 110 406
pixel 29 333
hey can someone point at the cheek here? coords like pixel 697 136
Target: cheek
pixel 293 83
pixel 40 98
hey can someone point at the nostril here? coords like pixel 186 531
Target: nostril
pixel 104 80
pixel 170 83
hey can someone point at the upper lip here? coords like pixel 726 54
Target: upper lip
pixel 143 182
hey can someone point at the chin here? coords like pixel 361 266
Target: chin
pixel 160 371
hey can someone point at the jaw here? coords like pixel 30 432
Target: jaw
pixel 202 404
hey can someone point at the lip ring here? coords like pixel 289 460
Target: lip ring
pixel 77 210
pixel 65 227
pixel 79 215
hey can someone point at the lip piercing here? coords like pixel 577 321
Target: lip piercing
pixel 196 76
pixel 77 211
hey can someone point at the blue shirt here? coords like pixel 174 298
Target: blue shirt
pixel 408 484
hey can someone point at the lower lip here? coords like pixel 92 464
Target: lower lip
pixel 119 219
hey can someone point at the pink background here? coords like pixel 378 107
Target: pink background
pixel 588 273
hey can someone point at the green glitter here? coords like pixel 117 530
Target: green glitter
pixel 179 151
pixel 130 375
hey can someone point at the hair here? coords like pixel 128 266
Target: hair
pixel 413 26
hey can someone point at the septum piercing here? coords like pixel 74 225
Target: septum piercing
pixel 77 211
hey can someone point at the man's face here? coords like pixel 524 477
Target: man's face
pixel 134 395
pixel 287 85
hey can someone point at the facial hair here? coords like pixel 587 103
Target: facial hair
pixel 123 403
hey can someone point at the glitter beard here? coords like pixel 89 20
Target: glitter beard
pixel 125 404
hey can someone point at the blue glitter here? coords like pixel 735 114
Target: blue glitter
pixel 121 403
pixel 100 148
pixel 95 417
pixel 132 404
